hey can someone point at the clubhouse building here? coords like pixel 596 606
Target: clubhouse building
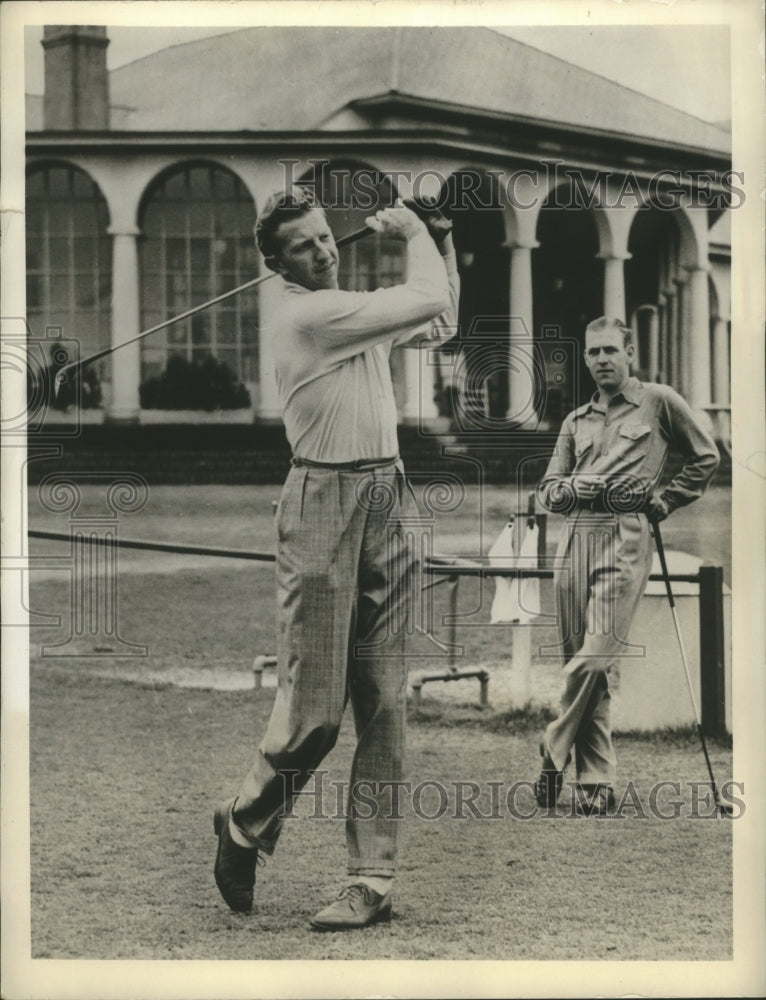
pixel 571 197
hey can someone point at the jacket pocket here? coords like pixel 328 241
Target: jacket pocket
pixel 634 432
pixel 581 444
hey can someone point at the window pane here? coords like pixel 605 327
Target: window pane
pixel 82 186
pixel 85 254
pixel 199 252
pixel 174 188
pixel 84 290
pixel 196 250
pixel 199 183
pixel 34 292
pixel 87 221
pixel 59 218
pixel 59 183
pixel 60 292
pixel 173 218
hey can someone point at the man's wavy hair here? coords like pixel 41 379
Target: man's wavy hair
pixel 283 206
pixel 611 323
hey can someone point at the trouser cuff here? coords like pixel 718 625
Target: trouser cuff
pixel 383 870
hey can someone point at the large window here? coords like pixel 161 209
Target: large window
pixel 69 263
pixel 197 224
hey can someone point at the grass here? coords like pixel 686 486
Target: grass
pixel 129 755
pixel 123 787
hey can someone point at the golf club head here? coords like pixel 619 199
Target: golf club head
pixel 62 377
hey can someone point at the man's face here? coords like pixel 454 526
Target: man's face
pixel 307 253
pixel 608 360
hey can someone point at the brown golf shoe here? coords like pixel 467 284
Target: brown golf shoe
pixel 234 865
pixel 594 800
pixel 357 906
pixel 548 786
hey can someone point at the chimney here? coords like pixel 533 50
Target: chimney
pixel 76 79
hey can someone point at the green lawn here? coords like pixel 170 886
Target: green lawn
pixel 130 754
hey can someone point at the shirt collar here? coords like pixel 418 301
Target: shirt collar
pixel 631 394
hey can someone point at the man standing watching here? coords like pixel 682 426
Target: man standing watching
pixel 606 466
pixel 344 569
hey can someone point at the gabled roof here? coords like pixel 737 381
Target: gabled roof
pixel 299 78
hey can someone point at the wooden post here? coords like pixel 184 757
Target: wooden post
pixel 712 663
pixel 452 583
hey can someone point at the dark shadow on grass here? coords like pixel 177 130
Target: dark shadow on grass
pixel 532 718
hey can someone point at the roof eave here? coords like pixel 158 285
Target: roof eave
pixel 392 101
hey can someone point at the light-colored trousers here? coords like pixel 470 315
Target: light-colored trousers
pixel 345 572
pixel 603 564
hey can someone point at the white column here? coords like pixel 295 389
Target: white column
pixel 126 363
pixel 268 406
pixel 653 345
pixel 721 386
pixel 521 379
pixel 263 176
pixel 614 285
pixel 418 403
pixel 698 342
pixel 680 351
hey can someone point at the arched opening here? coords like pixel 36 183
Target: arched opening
pixel 568 290
pixel 471 199
pixel 69 269
pixel 197 224
pixel 650 275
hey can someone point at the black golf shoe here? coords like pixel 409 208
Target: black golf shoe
pixel 594 800
pixel 548 786
pixel 234 865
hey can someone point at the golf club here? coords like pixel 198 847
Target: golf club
pixel 722 809
pixel 74 366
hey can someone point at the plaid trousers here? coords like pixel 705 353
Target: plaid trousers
pixel 603 565
pixel 345 572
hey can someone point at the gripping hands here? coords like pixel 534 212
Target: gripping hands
pixel 407 219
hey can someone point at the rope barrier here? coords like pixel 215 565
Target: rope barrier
pixel 436 564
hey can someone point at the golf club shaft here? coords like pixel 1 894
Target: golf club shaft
pixel 697 718
pixel 67 370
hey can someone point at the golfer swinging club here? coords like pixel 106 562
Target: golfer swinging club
pixel 608 460
pixel 344 577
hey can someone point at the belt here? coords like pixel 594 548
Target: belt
pixel 360 465
pixel 598 506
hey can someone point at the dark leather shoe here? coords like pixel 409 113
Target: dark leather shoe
pixel 548 786
pixel 234 865
pixel 357 906
pixel 594 800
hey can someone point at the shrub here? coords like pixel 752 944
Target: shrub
pixel 205 384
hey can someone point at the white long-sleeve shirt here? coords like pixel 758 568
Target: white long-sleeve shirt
pixel 331 355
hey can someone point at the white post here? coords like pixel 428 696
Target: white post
pixel 521 378
pixel 698 366
pixel 721 386
pixel 678 346
pixel 126 363
pixel 614 286
pixel 418 403
pixel 269 295
pixel 653 353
